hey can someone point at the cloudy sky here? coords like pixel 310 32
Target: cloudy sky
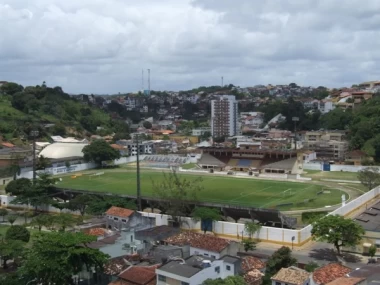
pixel 101 46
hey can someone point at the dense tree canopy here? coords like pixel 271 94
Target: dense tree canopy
pixel 338 231
pixel 369 177
pixel 282 258
pixel 176 194
pixel 55 257
pixel 100 151
pixel 18 232
pixel 18 186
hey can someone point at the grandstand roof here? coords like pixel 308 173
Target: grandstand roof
pixel 283 164
pixel 208 159
pixel 63 150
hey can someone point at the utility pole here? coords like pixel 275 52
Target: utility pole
pixel 139 207
pixel 295 120
pixel 149 82
pixel 34 134
pixel 222 81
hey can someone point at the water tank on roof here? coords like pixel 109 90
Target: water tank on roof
pixel 206 263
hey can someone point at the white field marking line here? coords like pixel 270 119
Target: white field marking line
pixel 275 199
pixel 241 196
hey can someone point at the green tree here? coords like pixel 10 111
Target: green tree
pixel 279 259
pixel 206 216
pixel 369 177
pixel 43 220
pixel 248 244
pixel 100 151
pixel 251 228
pixel 18 186
pixel 10 249
pixel 10 88
pixel 42 162
pixel 11 219
pixel 80 203
pixel 176 194
pixel 147 125
pixel 100 204
pixel 64 220
pixel 38 194
pixel 55 257
pixel 338 231
pixel 3 213
pixel 18 233
pixel 311 266
pixel 230 280
pixel 59 129
pixel 372 250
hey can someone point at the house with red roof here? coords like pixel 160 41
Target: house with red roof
pixel 329 273
pixel 137 275
pixel 118 218
pixel 204 244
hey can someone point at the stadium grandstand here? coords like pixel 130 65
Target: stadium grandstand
pixel 163 161
pixel 251 160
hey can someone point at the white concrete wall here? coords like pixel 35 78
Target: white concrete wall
pixel 76 167
pixel 270 234
pixel 334 167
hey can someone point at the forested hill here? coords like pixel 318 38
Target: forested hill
pixel 23 109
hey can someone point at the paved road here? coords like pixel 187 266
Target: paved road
pixel 321 253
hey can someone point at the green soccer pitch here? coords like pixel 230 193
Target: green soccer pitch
pixel 216 189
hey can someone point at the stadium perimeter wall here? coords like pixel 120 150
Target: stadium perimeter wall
pixel 268 234
pixel 76 167
pixel 335 167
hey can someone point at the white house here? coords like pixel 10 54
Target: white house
pixel 196 269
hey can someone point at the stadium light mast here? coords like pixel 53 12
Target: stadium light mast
pixel 295 120
pixel 138 173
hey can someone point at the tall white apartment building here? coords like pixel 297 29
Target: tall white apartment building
pixel 224 116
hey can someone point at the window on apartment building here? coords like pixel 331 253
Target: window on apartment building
pixel 184 283
pixel 228 267
pixel 217 269
pixel 116 219
pixel 124 220
pixel 213 256
pixel 161 278
pixel 278 283
pixel 205 254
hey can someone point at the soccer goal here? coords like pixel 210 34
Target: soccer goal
pixel 287 192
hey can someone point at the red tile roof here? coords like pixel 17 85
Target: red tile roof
pixel 96 232
pixel 119 212
pixel 117 146
pixel 140 275
pixel 7 144
pixel 346 281
pixel 330 272
pixel 249 263
pixel 201 241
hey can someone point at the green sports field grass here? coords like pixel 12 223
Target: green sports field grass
pixel 217 189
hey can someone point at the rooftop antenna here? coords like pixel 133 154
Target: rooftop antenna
pixel 149 82
pixel 222 81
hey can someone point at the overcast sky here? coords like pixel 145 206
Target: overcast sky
pixel 101 46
